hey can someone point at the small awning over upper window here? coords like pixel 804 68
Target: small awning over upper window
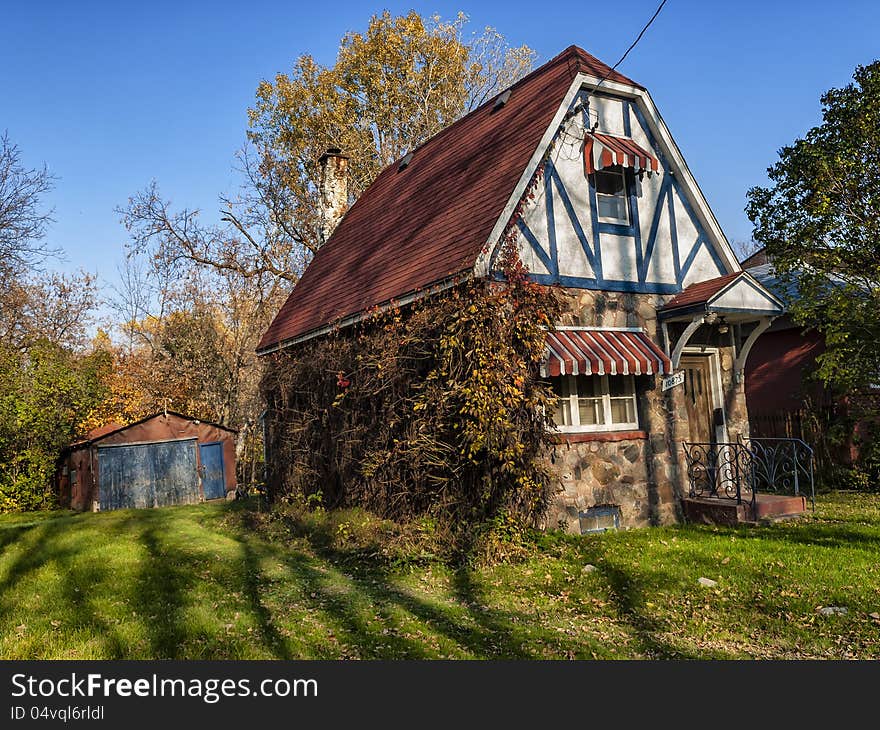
pixel 603 150
pixel 596 351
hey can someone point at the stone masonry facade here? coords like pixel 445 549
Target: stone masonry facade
pixel 643 473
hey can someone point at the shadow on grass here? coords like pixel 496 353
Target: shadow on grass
pixel 50 543
pixel 355 591
pixel 252 583
pixel 160 586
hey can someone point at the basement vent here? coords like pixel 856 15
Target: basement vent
pixel 501 100
pixel 404 163
pixel 600 518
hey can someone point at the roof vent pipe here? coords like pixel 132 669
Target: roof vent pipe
pixel 333 190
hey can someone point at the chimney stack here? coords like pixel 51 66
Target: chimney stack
pixel 333 189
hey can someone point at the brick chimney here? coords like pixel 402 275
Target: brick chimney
pixel 333 189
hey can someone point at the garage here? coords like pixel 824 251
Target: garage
pixel 165 459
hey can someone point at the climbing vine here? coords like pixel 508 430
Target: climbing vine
pixel 434 409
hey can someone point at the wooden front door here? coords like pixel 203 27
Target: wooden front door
pixel 698 398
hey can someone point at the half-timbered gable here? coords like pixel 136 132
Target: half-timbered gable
pixel 614 208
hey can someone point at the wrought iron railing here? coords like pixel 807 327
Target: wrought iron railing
pixel 783 466
pixel 720 470
pixel 742 469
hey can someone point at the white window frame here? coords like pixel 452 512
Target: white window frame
pixel 605 388
pixel 625 195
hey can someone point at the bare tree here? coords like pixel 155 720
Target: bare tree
pixel 22 220
pixel 743 249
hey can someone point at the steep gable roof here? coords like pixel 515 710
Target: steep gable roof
pixel 426 223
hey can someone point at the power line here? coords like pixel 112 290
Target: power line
pixel 612 69
pixel 577 107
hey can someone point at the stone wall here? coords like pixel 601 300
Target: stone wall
pixel 643 473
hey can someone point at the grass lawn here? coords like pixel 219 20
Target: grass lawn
pixel 207 582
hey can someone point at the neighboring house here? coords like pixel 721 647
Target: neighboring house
pixel 782 397
pixel 578 158
pixel 780 360
pixel 160 460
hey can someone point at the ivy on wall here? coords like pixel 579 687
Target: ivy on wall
pixel 436 409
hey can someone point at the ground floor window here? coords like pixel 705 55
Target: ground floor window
pixel 595 403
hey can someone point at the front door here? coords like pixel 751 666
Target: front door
pixel 213 482
pixel 698 398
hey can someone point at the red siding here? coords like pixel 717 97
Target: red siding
pixel 775 368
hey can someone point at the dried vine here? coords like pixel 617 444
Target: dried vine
pixel 437 409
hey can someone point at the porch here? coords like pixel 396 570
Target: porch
pixel 748 482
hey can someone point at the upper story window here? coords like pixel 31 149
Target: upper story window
pixel 611 195
pixel 595 403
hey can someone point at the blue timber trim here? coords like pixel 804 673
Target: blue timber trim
pixel 673 237
pixel 630 181
pixel 722 269
pixel 536 246
pixel 644 249
pixel 692 254
pixel 579 282
pixel 549 173
pixel 652 235
pixel 592 256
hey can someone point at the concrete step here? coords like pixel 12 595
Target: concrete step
pixel 720 511
pixel 769 505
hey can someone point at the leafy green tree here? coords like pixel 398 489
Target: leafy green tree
pixel 49 376
pixel 44 393
pixel 820 223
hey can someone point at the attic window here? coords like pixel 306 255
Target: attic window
pixel 404 163
pixel 501 100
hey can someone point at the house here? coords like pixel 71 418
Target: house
pixel 576 161
pixel 781 359
pixel 164 459
pixel 783 398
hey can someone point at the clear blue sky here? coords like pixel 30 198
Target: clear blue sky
pixel 114 94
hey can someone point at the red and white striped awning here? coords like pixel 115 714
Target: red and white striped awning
pixel 596 351
pixel 603 150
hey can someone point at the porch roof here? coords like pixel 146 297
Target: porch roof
pixel 737 296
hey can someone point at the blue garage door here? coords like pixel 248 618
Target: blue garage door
pixel 148 475
pixel 213 481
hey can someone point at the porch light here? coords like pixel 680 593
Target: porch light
pixel 722 326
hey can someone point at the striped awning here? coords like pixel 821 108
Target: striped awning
pixel 603 150
pixel 596 351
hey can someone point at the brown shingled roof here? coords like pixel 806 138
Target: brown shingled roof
pixel 418 226
pixel 700 292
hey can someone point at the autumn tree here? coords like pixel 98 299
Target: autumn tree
pixel 221 282
pixel 820 222
pixel 50 374
pixel 392 87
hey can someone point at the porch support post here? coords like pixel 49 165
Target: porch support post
pixel 685 338
pixel 740 362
